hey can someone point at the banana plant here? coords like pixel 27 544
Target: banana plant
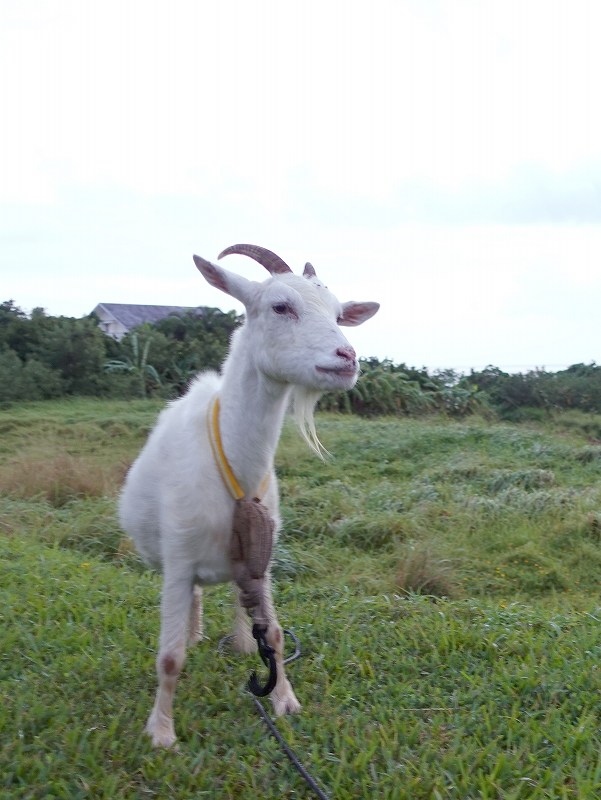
pixel 137 364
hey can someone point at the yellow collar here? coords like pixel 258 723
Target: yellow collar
pixel 227 473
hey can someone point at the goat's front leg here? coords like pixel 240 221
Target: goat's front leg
pixel 176 609
pixel 283 698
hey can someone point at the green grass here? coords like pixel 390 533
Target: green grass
pixel 443 578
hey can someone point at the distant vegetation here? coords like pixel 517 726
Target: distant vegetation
pixel 44 357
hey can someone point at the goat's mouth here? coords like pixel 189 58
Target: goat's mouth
pixel 346 373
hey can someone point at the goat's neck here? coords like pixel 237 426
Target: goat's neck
pixel 252 413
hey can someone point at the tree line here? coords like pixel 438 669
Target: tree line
pixel 43 356
pixel 388 388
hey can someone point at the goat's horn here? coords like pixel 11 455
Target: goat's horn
pixel 309 271
pixel 266 258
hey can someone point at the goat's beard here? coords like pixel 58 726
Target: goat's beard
pixel 303 406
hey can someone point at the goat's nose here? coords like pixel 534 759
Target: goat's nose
pixel 347 353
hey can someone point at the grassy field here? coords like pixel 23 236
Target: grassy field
pixel 443 578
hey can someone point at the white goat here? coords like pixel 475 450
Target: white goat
pixel 175 504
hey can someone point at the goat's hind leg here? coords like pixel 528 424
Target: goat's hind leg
pixel 244 642
pixel 176 609
pixel 195 625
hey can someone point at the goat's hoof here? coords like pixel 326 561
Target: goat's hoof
pixel 161 735
pixel 164 740
pixel 285 703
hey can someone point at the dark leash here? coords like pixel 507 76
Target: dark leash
pixel 267 654
pixel 255 689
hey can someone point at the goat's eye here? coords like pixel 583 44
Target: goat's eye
pixel 281 308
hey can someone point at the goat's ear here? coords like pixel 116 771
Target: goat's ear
pixel 228 282
pixel 356 313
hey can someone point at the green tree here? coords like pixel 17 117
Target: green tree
pixel 14 329
pixel 76 348
pixel 29 380
pixel 199 341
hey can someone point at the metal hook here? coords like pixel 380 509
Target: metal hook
pixel 267 654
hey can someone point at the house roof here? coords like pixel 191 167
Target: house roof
pixel 130 315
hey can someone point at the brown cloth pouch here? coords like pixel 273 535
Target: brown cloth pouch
pixel 250 552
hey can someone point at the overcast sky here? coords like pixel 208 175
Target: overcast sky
pixel 443 158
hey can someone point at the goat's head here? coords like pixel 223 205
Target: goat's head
pixel 294 321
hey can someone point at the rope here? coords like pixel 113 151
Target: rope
pixel 307 777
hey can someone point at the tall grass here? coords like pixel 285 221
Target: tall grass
pixel 57 477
